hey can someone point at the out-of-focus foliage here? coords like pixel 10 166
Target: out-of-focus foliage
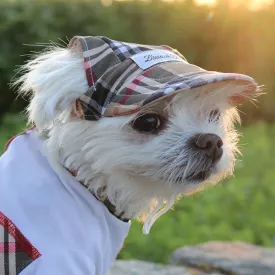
pixel 11 126
pixel 217 38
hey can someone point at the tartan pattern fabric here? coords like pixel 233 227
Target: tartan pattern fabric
pixel 16 252
pixel 118 86
pixel 124 50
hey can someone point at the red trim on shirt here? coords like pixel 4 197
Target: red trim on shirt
pixel 22 241
pixel 8 143
pixel 11 139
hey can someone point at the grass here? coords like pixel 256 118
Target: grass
pixel 241 208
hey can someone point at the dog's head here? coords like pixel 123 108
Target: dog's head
pixel 173 145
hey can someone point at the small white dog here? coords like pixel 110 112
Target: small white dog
pixel 136 125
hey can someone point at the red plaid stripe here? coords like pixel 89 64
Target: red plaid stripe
pixel 11 247
pixel 16 252
pixel 128 92
pixel 90 75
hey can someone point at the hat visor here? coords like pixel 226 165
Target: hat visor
pixel 237 88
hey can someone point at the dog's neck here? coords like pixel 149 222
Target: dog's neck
pixel 130 196
pixel 102 196
pixel 127 205
pixel 125 201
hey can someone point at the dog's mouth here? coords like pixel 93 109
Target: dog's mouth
pixel 194 177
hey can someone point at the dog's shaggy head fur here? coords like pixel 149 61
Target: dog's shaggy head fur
pixel 136 168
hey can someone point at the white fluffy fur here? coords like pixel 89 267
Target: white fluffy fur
pixel 109 153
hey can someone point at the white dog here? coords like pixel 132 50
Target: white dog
pixel 136 125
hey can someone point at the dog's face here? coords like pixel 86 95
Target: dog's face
pixel 177 144
pixel 174 146
pixel 181 142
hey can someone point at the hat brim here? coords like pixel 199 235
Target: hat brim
pixel 237 88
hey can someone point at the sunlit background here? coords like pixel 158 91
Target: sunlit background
pixel 254 4
pixel 229 36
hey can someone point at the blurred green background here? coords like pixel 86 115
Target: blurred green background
pixel 229 36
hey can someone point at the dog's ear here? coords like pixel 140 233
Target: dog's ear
pixel 54 79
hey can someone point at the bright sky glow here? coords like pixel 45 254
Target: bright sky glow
pixel 206 2
pixel 252 3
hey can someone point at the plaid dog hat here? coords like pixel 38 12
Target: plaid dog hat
pixel 125 77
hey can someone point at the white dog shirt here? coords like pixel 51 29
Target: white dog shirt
pixel 49 223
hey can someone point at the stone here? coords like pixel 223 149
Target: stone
pixel 236 258
pixel 133 267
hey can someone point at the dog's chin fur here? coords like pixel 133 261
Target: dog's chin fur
pixel 137 170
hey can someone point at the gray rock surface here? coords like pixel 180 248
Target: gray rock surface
pixel 235 258
pixel 145 268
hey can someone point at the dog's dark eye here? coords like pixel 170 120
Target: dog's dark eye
pixel 148 123
pixel 214 115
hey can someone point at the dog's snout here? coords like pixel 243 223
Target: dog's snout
pixel 209 144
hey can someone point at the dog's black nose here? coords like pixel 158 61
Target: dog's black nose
pixel 210 144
